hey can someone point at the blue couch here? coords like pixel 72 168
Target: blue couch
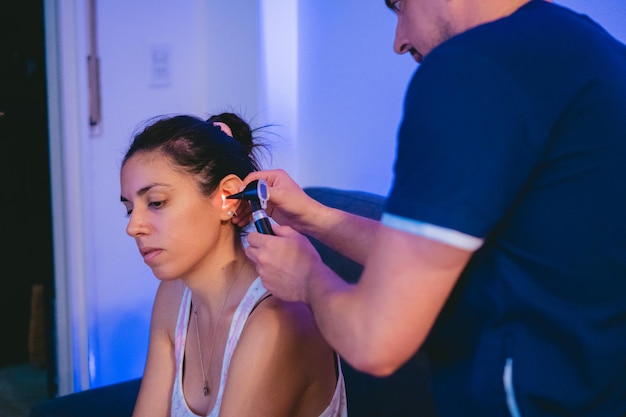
pixel 405 393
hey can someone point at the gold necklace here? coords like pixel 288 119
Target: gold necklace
pixel 205 386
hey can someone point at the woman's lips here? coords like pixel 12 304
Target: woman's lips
pixel 150 253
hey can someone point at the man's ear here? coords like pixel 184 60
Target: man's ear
pixel 229 185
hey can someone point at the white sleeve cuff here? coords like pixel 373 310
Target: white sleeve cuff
pixel 441 234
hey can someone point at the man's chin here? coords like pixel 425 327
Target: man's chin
pixel 418 57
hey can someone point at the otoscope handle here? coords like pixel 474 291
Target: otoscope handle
pixel 257 194
pixel 262 222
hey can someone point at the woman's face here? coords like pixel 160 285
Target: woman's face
pixel 175 226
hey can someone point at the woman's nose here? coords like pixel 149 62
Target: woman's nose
pixel 136 225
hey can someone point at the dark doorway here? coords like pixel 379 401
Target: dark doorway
pixel 27 274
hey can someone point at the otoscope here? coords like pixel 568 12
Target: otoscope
pixel 257 194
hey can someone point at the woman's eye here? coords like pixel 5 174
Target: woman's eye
pixel 156 204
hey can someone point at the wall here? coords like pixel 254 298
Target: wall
pixel 324 72
pixel 609 13
pixel 351 88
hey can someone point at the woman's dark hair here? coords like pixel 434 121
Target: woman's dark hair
pixel 199 147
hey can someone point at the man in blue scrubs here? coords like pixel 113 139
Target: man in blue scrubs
pixel 502 249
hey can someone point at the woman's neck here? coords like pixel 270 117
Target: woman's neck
pixel 223 287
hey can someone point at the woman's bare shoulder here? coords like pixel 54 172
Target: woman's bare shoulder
pixel 281 355
pixel 290 326
pixel 277 315
pixel 166 305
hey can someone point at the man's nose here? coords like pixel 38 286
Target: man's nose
pixel 400 44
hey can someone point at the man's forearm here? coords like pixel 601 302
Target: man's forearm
pixel 331 297
pixel 349 234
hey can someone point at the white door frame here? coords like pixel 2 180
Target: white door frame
pixel 65 32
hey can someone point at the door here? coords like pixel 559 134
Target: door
pixel 27 275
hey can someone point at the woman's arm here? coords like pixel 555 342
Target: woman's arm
pixel 281 366
pixel 155 393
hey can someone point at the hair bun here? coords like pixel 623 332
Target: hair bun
pixel 241 130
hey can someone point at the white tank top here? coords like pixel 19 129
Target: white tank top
pixel 337 406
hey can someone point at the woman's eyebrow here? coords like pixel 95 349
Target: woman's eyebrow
pixel 143 190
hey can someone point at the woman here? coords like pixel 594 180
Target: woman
pixel 219 343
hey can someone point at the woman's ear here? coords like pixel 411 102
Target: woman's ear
pixel 230 184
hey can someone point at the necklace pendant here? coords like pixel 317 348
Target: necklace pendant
pixel 205 390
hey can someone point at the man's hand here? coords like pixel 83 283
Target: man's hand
pixel 285 262
pixel 288 205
